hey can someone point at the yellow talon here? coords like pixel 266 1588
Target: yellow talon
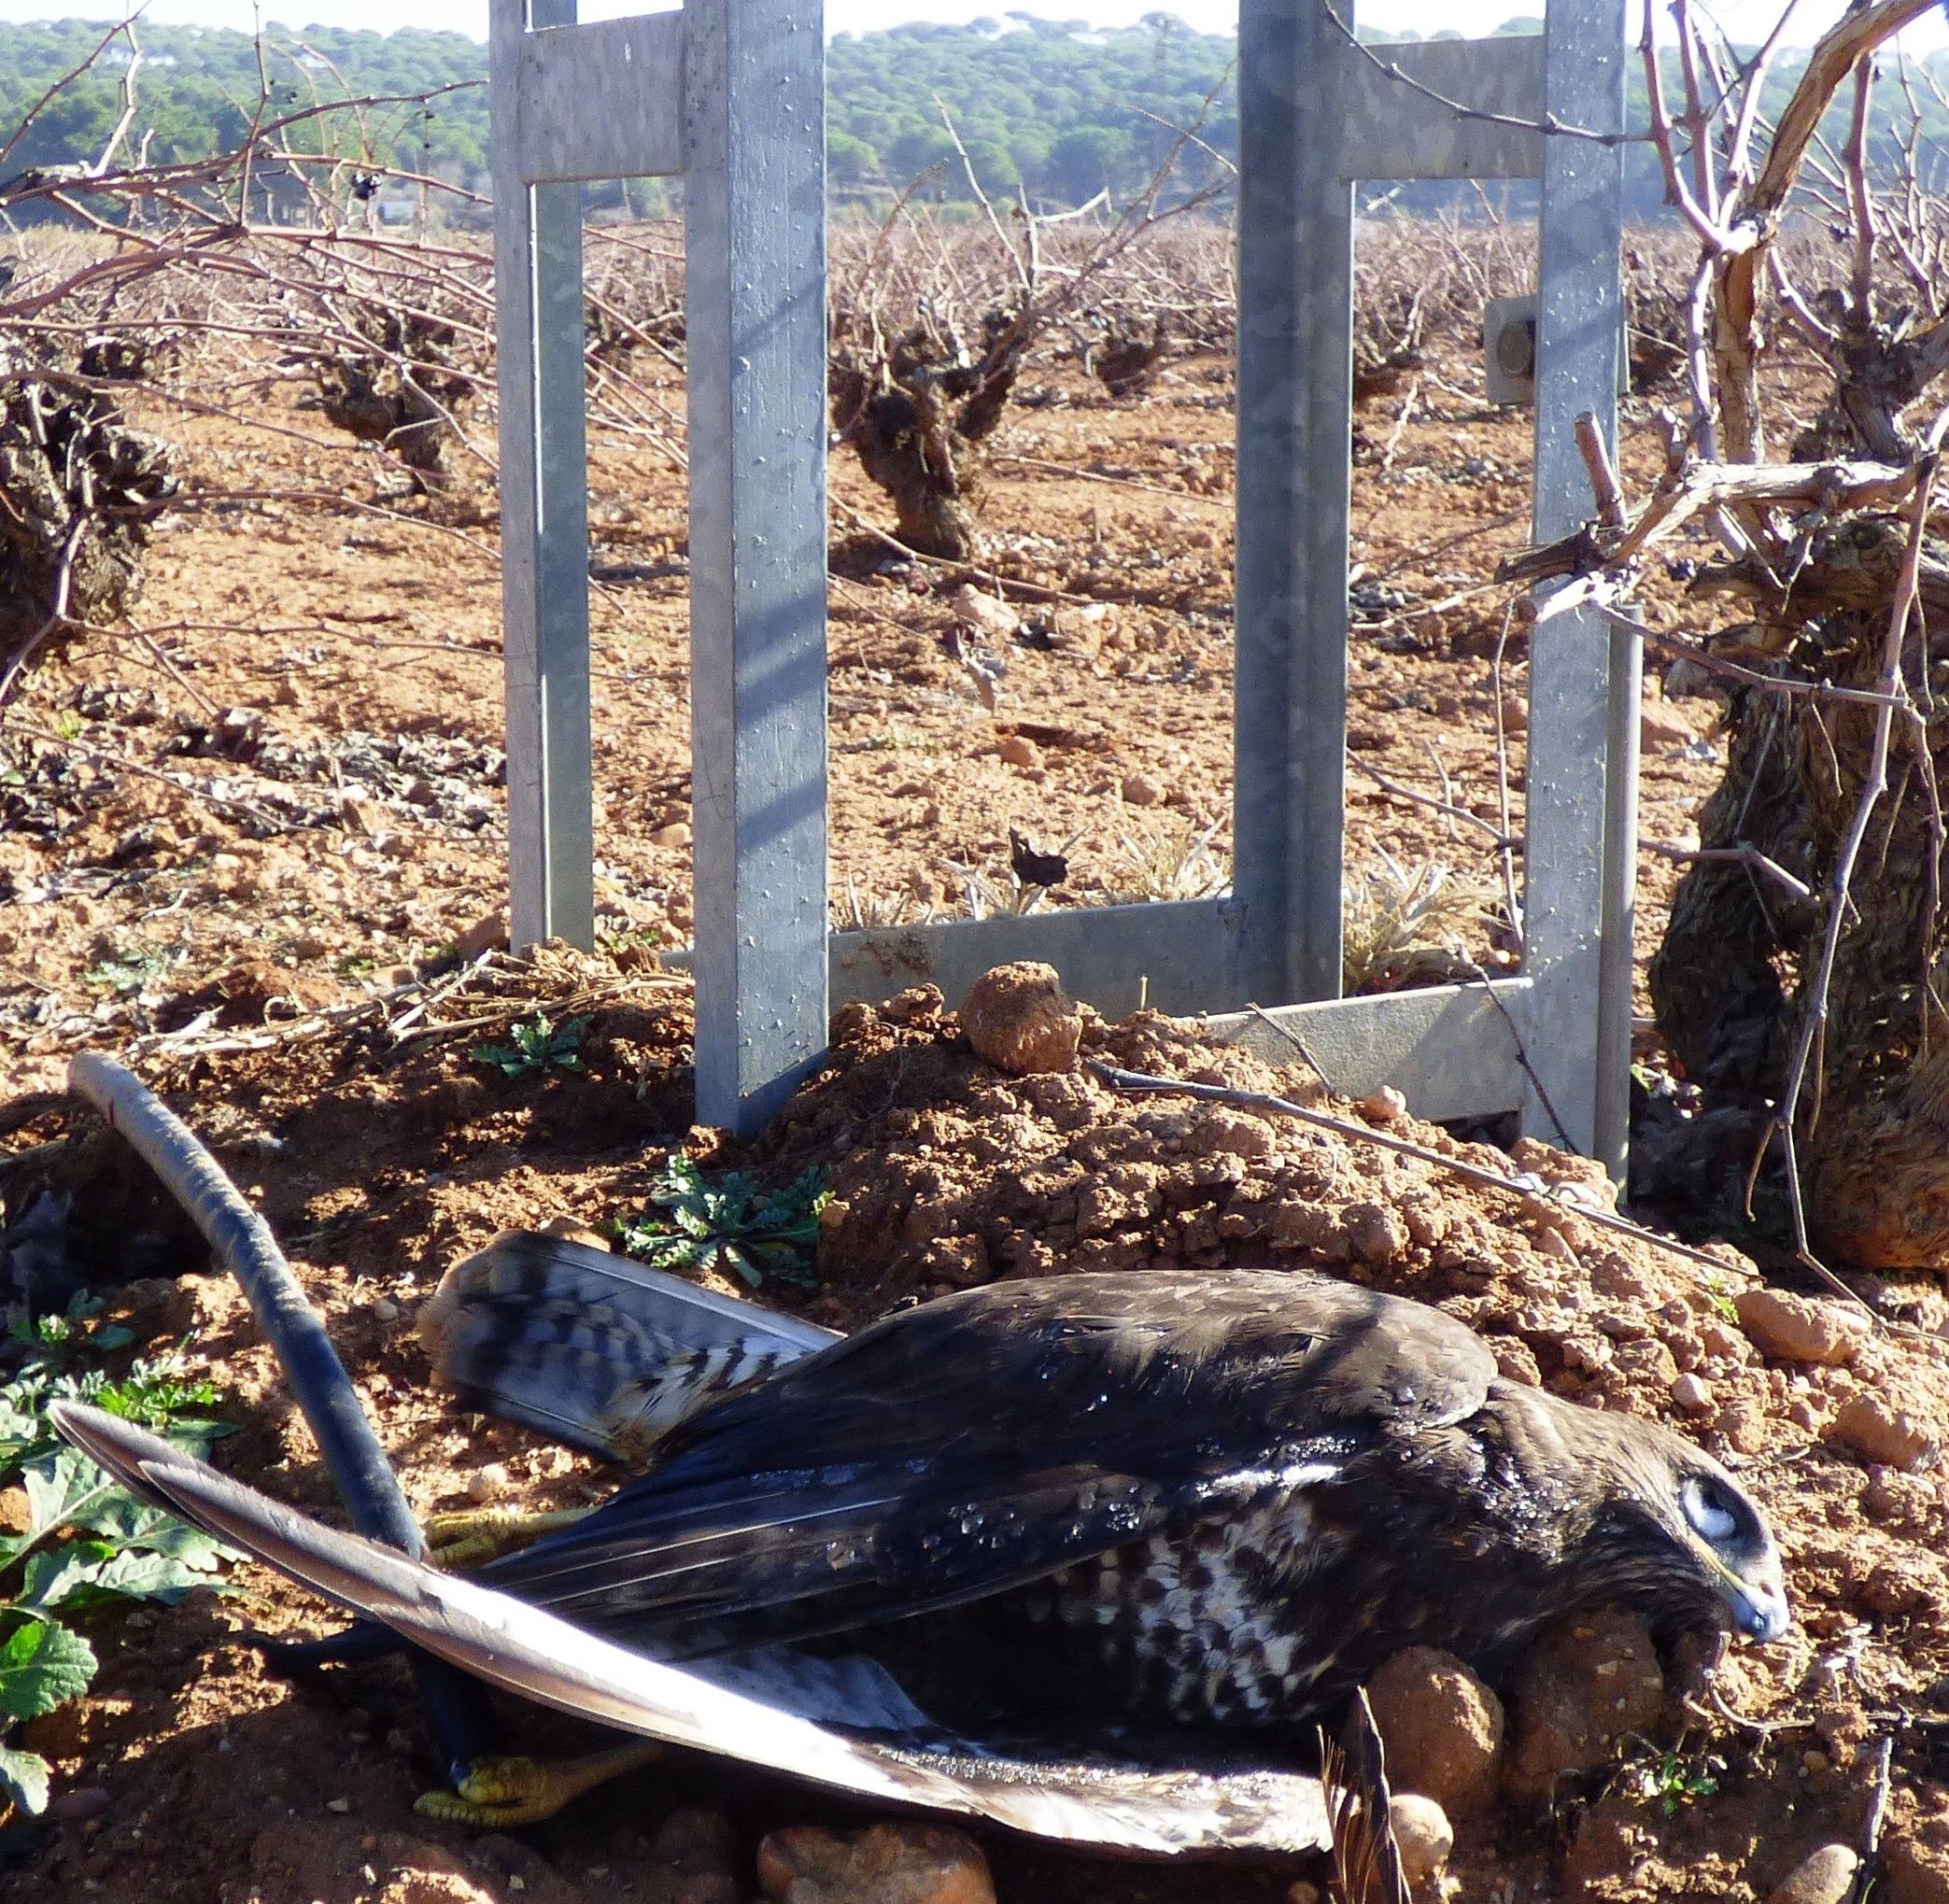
pixel 500 1792
pixel 474 1536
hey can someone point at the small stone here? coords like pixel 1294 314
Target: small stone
pixel 1692 1394
pixel 1825 1877
pixel 488 1483
pixel 1017 750
pixel 339 1805
pixel 80 1804
pixel 386 1310
pixel 884 1864
pixel 1875 1428
pixel 1385 1106
pixel 574 1230
pixel 1139 791
pixel 1425 1836
pixel 1441 1727
pixel 1803 1329
pixel 1018 1017
pixel 677 834
pixel 993 616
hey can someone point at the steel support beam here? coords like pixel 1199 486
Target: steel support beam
pixel 544 519
pixel 1295 345
pixel 1583 685
pixel 754 246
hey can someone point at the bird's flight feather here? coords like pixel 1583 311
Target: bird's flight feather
pixel 531 1652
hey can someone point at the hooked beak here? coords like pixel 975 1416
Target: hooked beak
pixel 1759 1607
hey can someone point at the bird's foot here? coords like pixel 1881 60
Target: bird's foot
pixel 474 1536
pixel 496 1792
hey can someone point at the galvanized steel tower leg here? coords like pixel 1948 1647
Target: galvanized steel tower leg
pixel 1581 850
pixel 1296 303
pixel 754 199
pixel 543 522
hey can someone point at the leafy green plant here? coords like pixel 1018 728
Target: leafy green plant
pixel 87 1541
pixel 538 1046
pixel 132 968
pixel 1719 1292
pixel 729 1224
pixel 1674 1782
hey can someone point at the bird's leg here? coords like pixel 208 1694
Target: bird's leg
pixel 496 1792
pixel 474 1536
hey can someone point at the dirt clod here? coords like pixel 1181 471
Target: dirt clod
pixel 1874 1426
pixel 1018 1017
pixel 885 1864
pixel 694 1860
pixel 1442 1728
pixel 1586 1682
pixel 1801 1328
pixel 1825 1876
pixel 1918 1871
pixel 337 1860
pixel 1422 1831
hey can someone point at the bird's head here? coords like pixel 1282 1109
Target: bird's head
pixel 1676 1514
pixel 1663 1524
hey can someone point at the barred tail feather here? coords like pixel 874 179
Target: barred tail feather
pixel 594 1349
pixel 521 1648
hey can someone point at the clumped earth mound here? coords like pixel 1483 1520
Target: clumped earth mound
pixel 384 1164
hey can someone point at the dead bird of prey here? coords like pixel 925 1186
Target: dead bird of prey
pixel 1077 1509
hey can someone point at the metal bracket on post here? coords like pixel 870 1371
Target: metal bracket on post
pixel 1579 862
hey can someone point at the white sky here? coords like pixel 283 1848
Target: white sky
pixel 1744 18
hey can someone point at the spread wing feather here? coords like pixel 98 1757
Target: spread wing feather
pixel 536 1654
pixel 595 1349
pixel 991 1438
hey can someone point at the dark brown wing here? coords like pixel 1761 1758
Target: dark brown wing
pixel 993 1437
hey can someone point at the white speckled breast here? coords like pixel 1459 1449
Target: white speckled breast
pixel 1205 1627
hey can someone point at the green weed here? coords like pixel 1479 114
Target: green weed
pixel 728 1225
pixel 538 1046
pixel 87 1543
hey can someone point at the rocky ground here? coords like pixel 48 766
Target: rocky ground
pixel 259 850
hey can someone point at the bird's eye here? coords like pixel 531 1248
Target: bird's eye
pixel 1710 1511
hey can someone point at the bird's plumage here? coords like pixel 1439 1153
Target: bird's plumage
pixel 594 1349
pixel 1211 1498
pixel 1218 1499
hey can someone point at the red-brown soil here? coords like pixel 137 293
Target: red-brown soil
pixel 317 818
